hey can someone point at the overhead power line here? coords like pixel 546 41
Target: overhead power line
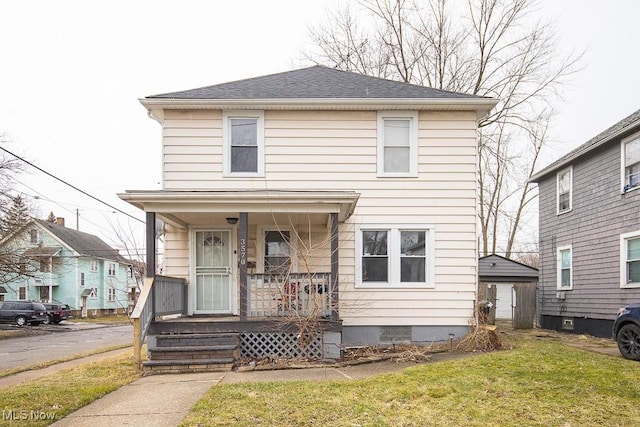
pixel 70 185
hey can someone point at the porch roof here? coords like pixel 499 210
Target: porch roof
pixel 172 205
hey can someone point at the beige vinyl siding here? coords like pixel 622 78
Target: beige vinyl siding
pixel 336 150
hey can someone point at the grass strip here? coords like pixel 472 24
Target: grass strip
pixel 51 398
pixel 538 383
pixel 46 364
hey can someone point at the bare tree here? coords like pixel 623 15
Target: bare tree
pixel 493 48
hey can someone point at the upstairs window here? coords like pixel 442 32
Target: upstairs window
pixel 398 144
pixel 631 162
pixel 111 269
pixel 34 236
pixel 630 260
pixel 93 265
pixel 243 135
pixel 565 268
pixel 564 184
pixel 45 265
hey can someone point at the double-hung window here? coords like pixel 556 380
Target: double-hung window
pixel 397 144
pixel 243 135
pixel 630 260
pixel 631 163
pixel 111 296
pixel 565 268
pixel 111 269
pixel 564 183
pixel 277 252
pixel 396 256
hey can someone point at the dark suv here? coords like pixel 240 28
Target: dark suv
pixel 55 313
pixel 626 331
pixel 22 312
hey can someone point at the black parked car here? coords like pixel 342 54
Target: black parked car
pixel 626 331
pixel 55 313
pixel 22 312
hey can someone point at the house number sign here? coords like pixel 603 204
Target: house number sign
pixel 243 251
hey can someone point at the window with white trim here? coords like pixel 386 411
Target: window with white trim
pixel 243 136
pixel 630 260
pixel 564 180
pixel 22 293
pixel 565 268
pixel 631 163
pixel 93 265
pixel 111 295
pixel 397 144
pixel 93 294
pixel 395 256
pixel 111 268
pixel 277 252
pixel 34 236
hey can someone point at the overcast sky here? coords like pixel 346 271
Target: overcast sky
pixel 72 72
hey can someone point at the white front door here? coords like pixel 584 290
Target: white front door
pixel 213 272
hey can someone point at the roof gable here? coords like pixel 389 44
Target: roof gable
pixel 317 82
pixel 628 124
pixel 82 243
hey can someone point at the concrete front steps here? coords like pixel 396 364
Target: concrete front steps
pixel 191 352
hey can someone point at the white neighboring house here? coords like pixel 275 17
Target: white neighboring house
pixel 361 192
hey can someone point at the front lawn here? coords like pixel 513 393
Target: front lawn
pixel 40 402
pixel 538 383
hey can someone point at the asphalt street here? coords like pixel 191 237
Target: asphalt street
pixel 67 340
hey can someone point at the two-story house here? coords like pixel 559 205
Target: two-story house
pixel 59 264
pixel 316 198
pixel 589 214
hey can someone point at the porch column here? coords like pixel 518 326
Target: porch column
pixel 334 266
pixel 151 244
pixel 243 239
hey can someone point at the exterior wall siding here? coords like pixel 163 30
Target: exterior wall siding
pixel 336 150
pixel 599 215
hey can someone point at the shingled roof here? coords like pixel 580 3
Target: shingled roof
pixel 83 243
pixel 627 124
pixel 317 82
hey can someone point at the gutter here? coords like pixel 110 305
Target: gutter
pixel 373 104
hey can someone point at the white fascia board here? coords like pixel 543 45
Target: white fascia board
pixel 482 105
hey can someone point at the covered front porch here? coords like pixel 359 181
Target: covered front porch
pixel 250 263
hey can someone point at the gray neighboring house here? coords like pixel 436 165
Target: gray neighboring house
pixel 589 214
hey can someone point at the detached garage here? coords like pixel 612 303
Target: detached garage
pixel 511 287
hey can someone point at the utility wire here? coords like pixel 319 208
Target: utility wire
pixel 70 185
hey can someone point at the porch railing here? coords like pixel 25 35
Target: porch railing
pixel 297 294
pixel 160 296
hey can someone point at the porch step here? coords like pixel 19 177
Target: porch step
pixel 187 366
pixel 188 352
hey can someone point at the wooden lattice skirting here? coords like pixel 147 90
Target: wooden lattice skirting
pixel 280 345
